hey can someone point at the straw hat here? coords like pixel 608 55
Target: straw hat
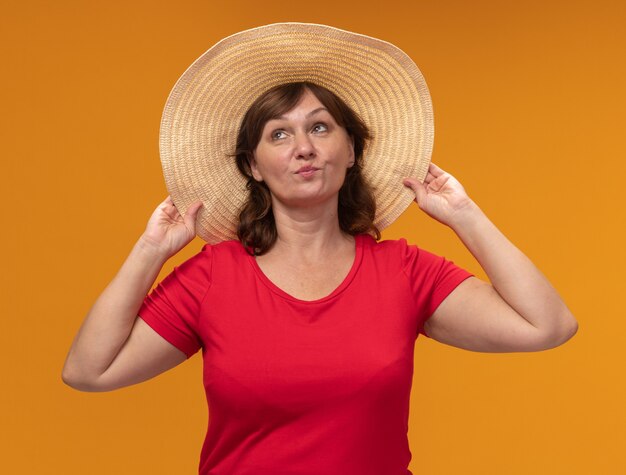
pixel 204 111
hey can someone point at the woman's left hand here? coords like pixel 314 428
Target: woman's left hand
pixel 441 196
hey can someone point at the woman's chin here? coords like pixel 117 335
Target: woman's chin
pixel 304 201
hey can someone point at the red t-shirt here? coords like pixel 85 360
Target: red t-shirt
pixel 303 387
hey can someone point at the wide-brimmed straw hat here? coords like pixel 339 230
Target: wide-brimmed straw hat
pixel 203 114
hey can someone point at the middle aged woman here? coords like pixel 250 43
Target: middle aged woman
pixel 307 323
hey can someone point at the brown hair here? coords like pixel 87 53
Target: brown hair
pixel 357 206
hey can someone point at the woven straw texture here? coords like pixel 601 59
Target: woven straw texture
pixel 204 110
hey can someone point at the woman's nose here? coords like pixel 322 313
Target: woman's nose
pixel 304 146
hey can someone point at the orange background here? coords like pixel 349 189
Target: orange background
pixel 529 102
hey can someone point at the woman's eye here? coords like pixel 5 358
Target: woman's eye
pixel 320 128
pixel 278 134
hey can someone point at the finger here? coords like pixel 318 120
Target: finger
pixel 410 182
pixel 435 170
pixel 168 207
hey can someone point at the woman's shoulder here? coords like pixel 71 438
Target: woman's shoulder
pixel 385 246
pixel 390 254
pixel 228 253
pixel 399 252
pixel 210 252
pixel 231 250
pixel 203 265
pixel 232 246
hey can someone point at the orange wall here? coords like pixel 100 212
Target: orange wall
pixel 529 102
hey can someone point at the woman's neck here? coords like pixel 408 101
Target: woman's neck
pixel 309 232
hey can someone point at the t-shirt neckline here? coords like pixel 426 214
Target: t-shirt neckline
pixel 358 255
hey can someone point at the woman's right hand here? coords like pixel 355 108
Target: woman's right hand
pixel 167 231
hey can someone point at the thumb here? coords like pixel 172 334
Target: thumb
pixel 191 215
pixel 418 188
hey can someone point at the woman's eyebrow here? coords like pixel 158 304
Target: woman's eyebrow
pixel 313 112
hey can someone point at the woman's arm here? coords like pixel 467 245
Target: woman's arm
pixel 519 310
pixel 114 348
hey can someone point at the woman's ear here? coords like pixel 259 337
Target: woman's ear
pixel 254 169
pixel 351 157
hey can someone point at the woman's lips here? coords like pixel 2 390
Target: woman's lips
pixel 306 171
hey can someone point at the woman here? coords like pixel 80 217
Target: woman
pixel 306 323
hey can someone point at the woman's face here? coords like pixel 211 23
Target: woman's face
pixel 303 155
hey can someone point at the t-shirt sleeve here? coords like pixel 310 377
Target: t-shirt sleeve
pixel 432 279
pixel 172 309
